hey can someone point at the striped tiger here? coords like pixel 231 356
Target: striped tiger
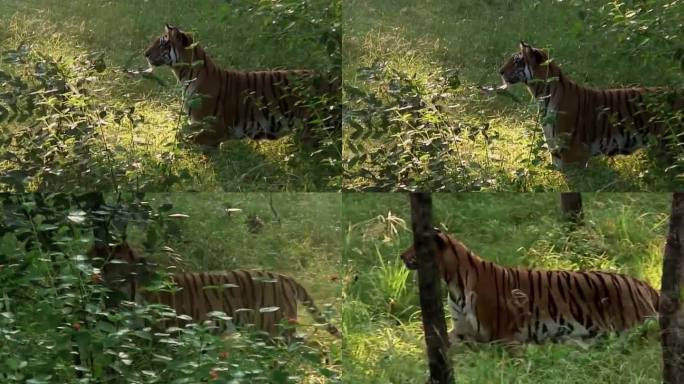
pixel 580 122
pixel 489 302
pixel 228 104
pixel 260 299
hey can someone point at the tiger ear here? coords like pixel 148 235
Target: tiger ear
pixel 523 45
pixel 168 28
pixel 186 40
pixel 538 56
pixel 438 239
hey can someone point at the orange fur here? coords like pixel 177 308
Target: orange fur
pixel 489 302
pixel 579 121
pixel 235 104
pixel 243 292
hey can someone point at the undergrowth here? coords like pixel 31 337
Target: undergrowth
pixel 425 114
pixel 78 112
pixel 381 316
pixel 58 325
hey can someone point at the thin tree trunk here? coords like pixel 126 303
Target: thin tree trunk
pixel 671 316
pixel 571 206
pixel 94 202
pixel 434 324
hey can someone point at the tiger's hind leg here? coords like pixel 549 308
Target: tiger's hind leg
pixel 573 159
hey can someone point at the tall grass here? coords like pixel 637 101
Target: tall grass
pixel 142 150
pixel 488 140
pixel 384 338
pixel 52 294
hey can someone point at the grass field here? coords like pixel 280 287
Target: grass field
pixel 381 317
pixel 135 118
pixel 294 234
pixel 419 68
pixel 297 234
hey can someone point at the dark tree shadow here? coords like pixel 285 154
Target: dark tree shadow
pixel 238 167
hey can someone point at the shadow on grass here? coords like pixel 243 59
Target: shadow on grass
pixel 605 174
pixel 239 166
pixel 598 176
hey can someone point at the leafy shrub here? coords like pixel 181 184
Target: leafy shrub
pixel 315 23
pixel 55 326
pixel 384 290
pixel 56 122
pixel 398 136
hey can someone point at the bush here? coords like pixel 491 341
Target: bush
pixel 55 326
pixel 56 122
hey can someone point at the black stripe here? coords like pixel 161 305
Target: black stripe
pixel 621 309
pixel 553 308
pixel 633 299
pixel 219 100
pixel 499 310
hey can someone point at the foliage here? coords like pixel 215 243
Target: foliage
pixel 58 140
pixel 621 232
pixel 56 327
pixel 125 120
pixel 647 29
pixel 384 288
pixel 398 137
pixel 489 139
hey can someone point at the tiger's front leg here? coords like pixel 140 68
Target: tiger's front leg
pixel 463 318
pixel 454 336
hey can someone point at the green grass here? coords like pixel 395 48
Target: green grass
pixel 145 154
pixel 296 234
pixel 381 317
pixel 491 141
pixel 292 233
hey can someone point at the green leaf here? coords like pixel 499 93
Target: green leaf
pixel 77 217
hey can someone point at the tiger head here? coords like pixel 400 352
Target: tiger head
pixel 525 65
pixel 169 48
pixel 121 267
pixel 447 257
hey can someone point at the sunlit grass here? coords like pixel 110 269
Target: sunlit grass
pixel 496 140
pixel 384 338
pixel 149 150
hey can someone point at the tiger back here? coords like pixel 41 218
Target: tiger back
pixel 226 104
pixel 489 302
pixel 262 300
pixel 580 122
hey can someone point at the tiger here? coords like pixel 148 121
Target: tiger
pixel 260 299
pixel 492 303
pixel 228 104
pixel 579 121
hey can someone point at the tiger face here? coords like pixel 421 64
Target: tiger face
pixel 445 263
pixel 121 267
pixel 168 49
pixel 523 66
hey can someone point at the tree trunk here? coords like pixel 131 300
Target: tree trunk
pixel 571 206
pixel 671 316
pixel 95 202
pixel 434 324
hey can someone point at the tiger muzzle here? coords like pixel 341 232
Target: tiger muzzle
pixel 410 260
pixel 155 62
